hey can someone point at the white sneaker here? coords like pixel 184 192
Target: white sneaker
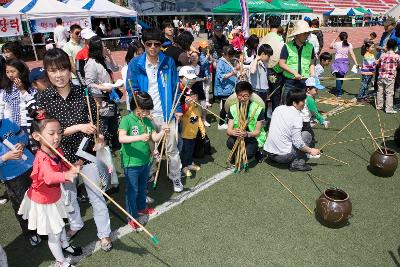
pixel 64 264
pixel 391 112
pixel 313 157
pixel 206 123
pixel 208 104
pixel 223 127
pixel 178 186
pixel 149 200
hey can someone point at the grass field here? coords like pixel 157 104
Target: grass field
pixel 249 219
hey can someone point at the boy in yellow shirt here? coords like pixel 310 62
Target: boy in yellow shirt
pixel 191 121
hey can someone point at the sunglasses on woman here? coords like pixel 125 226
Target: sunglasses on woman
pixel 150 44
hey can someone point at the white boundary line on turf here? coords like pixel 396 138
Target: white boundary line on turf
pixel 173 202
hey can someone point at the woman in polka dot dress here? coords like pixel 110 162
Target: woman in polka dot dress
pixel 67 103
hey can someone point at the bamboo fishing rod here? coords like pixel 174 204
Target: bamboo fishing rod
pixel 164 135
pixel 153 238
pixel 293 194
pixel 370 134
pixel 347 125
pixel 380 125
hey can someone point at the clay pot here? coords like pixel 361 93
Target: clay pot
pixel 334 207
pixel 397 137
pixel 383 164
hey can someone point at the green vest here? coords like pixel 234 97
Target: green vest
pixel 293 59
pixel 262 137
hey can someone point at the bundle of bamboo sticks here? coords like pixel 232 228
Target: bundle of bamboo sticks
pixel 241 161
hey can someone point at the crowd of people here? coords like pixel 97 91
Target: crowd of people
pixel 70 107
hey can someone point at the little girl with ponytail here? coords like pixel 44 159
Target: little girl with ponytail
pixel 341 64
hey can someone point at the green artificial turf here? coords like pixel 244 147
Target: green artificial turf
pixel 249 219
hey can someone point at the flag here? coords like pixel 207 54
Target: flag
pixel 245 19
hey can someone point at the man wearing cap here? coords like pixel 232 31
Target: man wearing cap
pixel 275 76
pixel 155 73
pixel 218 41
pixel 296 58
pixel 83 54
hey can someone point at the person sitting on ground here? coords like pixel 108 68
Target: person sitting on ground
pixel 310 110
pixel 287 143
pixel 254 135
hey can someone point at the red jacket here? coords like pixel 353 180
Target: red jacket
pixel 46 177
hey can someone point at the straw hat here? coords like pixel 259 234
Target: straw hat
pixel 300 27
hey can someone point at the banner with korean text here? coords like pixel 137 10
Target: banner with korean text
pixel 10 26
pixel 48 25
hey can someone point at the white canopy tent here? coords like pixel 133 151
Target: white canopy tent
pixel 394 12
pixel 7 12
pixel 102 8
pixel 40 9
pixel 344 12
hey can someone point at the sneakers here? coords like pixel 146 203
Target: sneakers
pixel 143 219
pixel 223 127
pixel 194 167
pixel 206 123
pixel 391 112
pixel 35 240
pixel 73 251
pixel 149 200
pixel 208 104
pixel 146 211
pixel 135 226
pixel 303 168
pixel 186 172
pixel 178 186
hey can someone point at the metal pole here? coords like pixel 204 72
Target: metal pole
pixel 30 35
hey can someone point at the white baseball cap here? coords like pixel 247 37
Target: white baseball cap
pixel 188 72
pixel 87 33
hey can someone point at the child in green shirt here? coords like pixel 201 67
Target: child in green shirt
pixel 310 110
pixel 135 132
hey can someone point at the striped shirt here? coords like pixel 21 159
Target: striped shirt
pixel 368 63
pixel 389 62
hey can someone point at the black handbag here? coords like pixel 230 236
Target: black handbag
pixel 202 146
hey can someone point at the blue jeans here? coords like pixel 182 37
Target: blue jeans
pixel 136 183
pixel 365 81
pixel 339 85
pixel 291 85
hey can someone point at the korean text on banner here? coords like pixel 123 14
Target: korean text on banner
pixel 48 25
pixel 10 26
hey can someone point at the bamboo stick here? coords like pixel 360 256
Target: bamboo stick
pixel 359 139
pixel 218 117
pixel 159 163
pixel 298 199
pixel 347 125
pixel 319 179
pixel 380 125
pixel 335 159
pixel 339 112
pixel 153 238
pixel 372 138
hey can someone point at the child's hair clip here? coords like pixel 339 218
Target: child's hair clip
pixel 41 115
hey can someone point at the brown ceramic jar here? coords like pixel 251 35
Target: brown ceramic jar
pixel 383 164
pixel 334 207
